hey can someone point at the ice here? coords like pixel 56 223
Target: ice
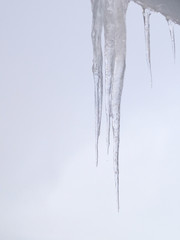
pixel 109 56
pixel 172 35
pixel 118 79
pixel 110 14
pixel 146 17
pixel 97 24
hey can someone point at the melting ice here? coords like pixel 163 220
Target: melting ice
pixel 110 16
pixel 146 16
pixel 172 35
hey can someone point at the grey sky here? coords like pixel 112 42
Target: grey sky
pixel 50 188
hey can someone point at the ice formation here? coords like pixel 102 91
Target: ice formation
pixel 97 9
pixel 172 35
pixel 110 16
pixel 146 16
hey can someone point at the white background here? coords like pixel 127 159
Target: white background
pixel 50 188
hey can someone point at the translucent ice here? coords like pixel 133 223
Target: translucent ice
pixel 172 35
pixel 146 17
pixel 97 9
pixel 112 15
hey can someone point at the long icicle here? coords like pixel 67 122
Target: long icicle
pixel 109 33
pixel 118 79
pixel 97 24
pixel 146 17
pixel 172 35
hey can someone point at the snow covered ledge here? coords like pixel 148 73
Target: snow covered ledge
pixel 169 8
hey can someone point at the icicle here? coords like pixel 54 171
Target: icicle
pixel 111 14
pixel 146 17
pixel 109 33
pixel 97 10
pixel 172 35
pixel 114 21
pixel 118 78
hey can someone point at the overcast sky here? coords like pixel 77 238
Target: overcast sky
pixel 50 188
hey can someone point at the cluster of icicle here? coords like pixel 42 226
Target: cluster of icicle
pixel 110 16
